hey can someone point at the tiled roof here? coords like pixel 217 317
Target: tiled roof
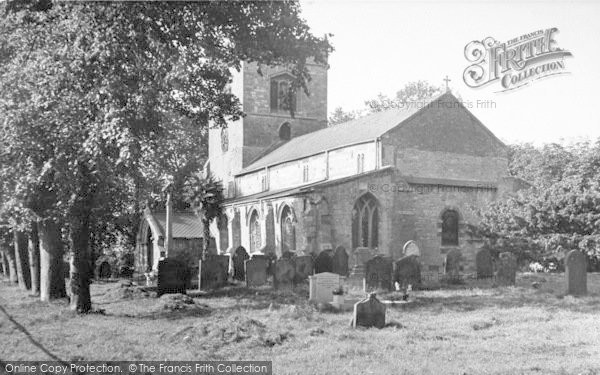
pixel 185 224
pixel 356 131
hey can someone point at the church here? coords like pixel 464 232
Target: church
pixel 295 184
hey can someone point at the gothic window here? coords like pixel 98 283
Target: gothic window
pixel 365 222
pixel 285 132
pixel 223 233
pixel 255 240
pixel 280 98
pixel 288 230
pixel 450 228
pixel 224 139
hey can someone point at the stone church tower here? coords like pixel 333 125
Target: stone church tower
pixel 268 123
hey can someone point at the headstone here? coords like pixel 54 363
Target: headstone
pixel 369 313
pixel 256 271
pixel 340 261
pixel 323 262
pixel 240 256
pixel 453 264
pixel 214 271
pixel 506 270
pixel 361 256
pixel 104 271
pixel 284 271
pixel 407 271
pixel 378 274
pixel 484 264
pixel 322 285
pixel 576 273
pixel 411 248
pixel 287 255
pixel 173 277
pixel 304 268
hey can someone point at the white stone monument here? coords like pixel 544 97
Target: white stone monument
pixel 322 285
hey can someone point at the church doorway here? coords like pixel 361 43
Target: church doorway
pixel 149 250
pixel 365 222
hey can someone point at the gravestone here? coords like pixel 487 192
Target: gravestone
pixel 484 264
pixel 322 285
pixel 411 248
pixel 378 274
pixel 173 277
pixel 214 271
pixel 576 273
pixel 284 272
pixel 369 313
pixel 453 264
pixel 287 255
pixel 240 256
pixel 361 256
pixel 256 271
pixel 104 271
pixel 507 269
pixel 407 271
pixel 340 261
pixel 324 262
pixel 304 268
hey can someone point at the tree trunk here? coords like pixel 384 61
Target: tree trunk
pixel 9 255
pixel 80 266
pixel 52 281
pixel 22 260
pixel 80 236
pixel 3 264
pixel 206 239
pixel 33 245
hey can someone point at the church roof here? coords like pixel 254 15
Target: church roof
pixel 185 224
pixel 363 129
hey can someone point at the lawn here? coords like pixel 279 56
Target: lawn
pixel 469 329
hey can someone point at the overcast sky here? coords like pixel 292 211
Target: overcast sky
pixel 382 45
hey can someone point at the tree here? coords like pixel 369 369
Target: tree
pixel 205 196
pixel 339 116
pixel 560 213
pixel 87 91
pixel 413 93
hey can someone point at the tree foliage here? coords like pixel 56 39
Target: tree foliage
pixel 101 100
pixel 562 209
pixel 414 94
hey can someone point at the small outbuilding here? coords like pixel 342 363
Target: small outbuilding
pixel 186 244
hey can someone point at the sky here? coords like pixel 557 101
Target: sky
pixel 382 45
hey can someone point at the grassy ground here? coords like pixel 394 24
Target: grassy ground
pixel 472 329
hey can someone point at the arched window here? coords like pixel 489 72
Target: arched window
pixel 288 230
pixel 365 222
pixel 223 232
pixel 285 131
pixel 280 93
pixel 255 240
pixel 450 220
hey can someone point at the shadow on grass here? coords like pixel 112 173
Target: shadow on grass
pixel 30 337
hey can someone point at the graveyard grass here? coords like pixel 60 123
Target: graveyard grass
pixel 468 329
